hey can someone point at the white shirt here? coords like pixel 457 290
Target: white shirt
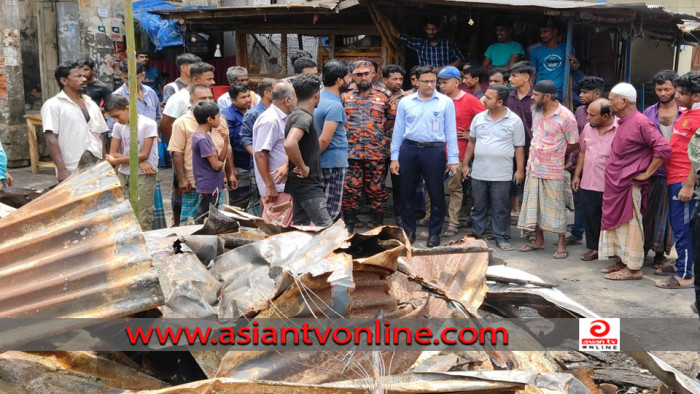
pixel 178 104
pixel 495 145
pixel 63 117
pixel 268 135
pixel 147 128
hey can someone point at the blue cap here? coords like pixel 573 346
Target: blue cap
pixel 449 72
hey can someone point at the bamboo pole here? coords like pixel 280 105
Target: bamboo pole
pixel 133 108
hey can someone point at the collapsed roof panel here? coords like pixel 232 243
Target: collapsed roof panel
pixel 78 252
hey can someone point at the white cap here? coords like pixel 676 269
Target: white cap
pixel 625 90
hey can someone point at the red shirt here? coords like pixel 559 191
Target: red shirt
pixel 466 107
pixel 678 166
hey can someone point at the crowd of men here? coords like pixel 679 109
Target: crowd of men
pixel 313 148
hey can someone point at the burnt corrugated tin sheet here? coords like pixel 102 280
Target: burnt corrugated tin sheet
pixel 77 251
pixel 71 372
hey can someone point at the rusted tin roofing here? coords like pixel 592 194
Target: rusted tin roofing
pixel 301 7
pixel 77 251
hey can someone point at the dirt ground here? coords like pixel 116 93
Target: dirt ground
pixel 579 280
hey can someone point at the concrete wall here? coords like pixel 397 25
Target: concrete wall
pixel 98 43
pixel 12 132
pixel 645 66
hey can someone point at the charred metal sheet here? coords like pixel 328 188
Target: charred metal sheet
pixel 457 277
pixel 553 303
pixel 217 223
pixel 549 302
pixel 254 274
pixel 76 251
pixel 248 220
pixel 436 284
pixel 17 196
pixel 70 372
pixel 673 378
pixel 205 247
pixel 190 291
pixel 473 381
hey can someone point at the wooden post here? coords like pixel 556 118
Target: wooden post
pixel 331 37
pixel 283 55
pixel 394 52
pixel 133 108
pixel 241 49
pixel 33 147
pixel 567 64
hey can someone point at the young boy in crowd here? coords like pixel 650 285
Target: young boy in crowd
pixel 117 107
pixel 207 162
pixel 5 178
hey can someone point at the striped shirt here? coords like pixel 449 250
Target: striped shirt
pixel 442 54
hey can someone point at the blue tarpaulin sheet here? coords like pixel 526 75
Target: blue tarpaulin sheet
pixel 163 33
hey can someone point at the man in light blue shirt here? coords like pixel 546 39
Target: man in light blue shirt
pixel 425 124
pixel 265 89
pixel 147 103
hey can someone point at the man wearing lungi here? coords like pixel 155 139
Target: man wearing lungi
pixel 638 150
pixel 554 135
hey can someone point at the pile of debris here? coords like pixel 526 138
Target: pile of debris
pixel 77 252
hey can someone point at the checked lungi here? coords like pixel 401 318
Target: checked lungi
pixel 333 184
pixel 544 205
pixel 190 206
pixel 627 240
pixel 158 210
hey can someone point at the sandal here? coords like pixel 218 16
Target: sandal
pixel 588 256
pixel 450 231
pixel 505 246
pixel 672 283
pixel 666 270
pixel 613 268
pixel 560 255
pixel 661 261
pixel 622 275
pixel 423 222
pixel 530 248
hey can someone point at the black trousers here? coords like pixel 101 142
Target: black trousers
pixel 430 162
pixel 592 204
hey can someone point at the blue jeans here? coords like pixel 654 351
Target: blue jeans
pixel 578 228
pixel 680 214
pixel 494 195
pixel 430 162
